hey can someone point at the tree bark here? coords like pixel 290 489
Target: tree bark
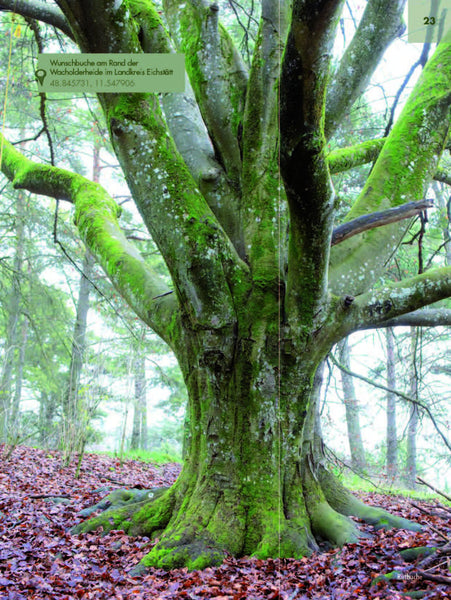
pixel 139 429
pixel 358 460
pixel 14 341
pixel 249 485
pixel 74 419
pixel 392 440
pixel 412 426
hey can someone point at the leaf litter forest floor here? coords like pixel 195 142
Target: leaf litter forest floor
pixel 39 558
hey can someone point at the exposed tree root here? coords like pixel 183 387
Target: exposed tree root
pixel 347 504
pixel 197 526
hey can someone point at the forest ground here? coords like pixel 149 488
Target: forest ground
pixel 40 559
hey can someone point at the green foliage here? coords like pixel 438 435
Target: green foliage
pixel 148 456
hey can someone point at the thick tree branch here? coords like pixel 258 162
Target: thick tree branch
pixel 407 162
pixel 433 317
pixel 350 157
pixel 189 132
pixel 261 112
pixel 344 159
pixel 443 176
pixel 303 164
pixel 173 209
pixel 421 405
pixel 96 216
pixel 217 74
pixel 34 9
pixel 379 219
pixel 377 308
pixel 260 138
pixel 381 23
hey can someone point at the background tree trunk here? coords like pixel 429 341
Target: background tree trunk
pixel 139 430
pixel 15 332
pixel 412 426
pixel 392 441
pixel 351 403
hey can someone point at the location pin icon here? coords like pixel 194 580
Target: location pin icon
pixel 40 75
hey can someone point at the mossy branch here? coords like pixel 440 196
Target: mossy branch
pixel 443 176
pixel 96 215
pixel 303 164
pixel 378 308
pixel 188 129
pixel 344 159
pixel 261 110
pixel 216 71
pixel 407 162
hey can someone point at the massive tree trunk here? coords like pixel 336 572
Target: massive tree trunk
pixel 232 180
pixel 250 484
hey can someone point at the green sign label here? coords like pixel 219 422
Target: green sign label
pixel 112 73
pixel 428 20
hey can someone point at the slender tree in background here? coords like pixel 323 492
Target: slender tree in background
pixel 233 181
pixel 75 418
pixel 16 332
pixel 358 461
pixel 412 425
pixel 139 429
pixel 392 439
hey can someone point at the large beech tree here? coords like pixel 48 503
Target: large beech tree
pixel 233 181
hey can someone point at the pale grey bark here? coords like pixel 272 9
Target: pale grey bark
pixel 372 309
pixel 424 317
pixel 139 429
pixel 71 403
pixel 223 74
pixel 412 426
pixel 381 23
pixel 445 207
pixel 48 406
pixel 358 461
pixel 392 440
pixel 17 396
pixel 190 135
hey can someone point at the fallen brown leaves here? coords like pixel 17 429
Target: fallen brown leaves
pixel 39 559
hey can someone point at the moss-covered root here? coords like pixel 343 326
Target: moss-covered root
pixel 347 504
pixel 331 526
pixel 327 524
pixel 137 512
pixel 211 524
pixel 206 526
pixel 123 497
pixel 411 554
